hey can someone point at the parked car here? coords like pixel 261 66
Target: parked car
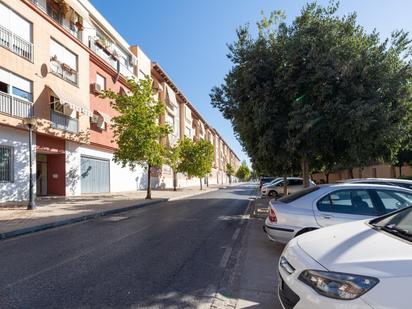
pixel 264 180
pixel 326 205
pixel 362 264
pixel 276 188
pixel 383 181
pixel 271 182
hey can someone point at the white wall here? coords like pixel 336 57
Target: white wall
pixel 121 179
pixel 18 190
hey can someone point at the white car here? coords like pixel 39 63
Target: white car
pixel 275 188
pixel 359 265
pixel 327 205
pixel 404 183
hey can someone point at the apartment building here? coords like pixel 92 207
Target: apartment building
pixel 55 59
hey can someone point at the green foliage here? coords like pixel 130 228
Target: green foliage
pixel 136 130
pixel 320 89
pixel 243 173
pixel 196 158
pixel 229 170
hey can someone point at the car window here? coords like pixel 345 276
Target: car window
pixel 356 202
pixel 294 196
pixel 393 200
pixel 295 182
pixel 403 185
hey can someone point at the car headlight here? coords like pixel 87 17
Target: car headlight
pixel 338 285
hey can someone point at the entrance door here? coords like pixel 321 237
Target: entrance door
pixel 95 175
pixel 41 175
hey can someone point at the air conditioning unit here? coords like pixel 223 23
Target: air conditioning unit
pixel 96 88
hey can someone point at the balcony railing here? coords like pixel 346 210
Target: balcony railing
pixel 16 44
pixel 124 70
pixel 14 106
pixel 64 122
pixel 57 69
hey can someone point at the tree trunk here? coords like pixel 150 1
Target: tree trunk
pixel 230 179
pixel 285 185
pixel 351 173
pixel 327 177
pixel 149 187
pixel 400 170
pixel 305 173
pixel 207 181
pixel 174 181
pixel 201 186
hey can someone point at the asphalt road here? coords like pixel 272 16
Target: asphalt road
pixel 165 255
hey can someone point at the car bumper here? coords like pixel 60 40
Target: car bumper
pixel 295 294
pixel 279 233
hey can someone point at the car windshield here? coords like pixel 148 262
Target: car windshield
pixel 398 224
pixel 294 196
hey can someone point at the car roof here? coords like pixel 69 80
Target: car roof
pixel 364 185
pixel 379 180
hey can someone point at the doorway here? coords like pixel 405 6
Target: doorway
pixel 41 175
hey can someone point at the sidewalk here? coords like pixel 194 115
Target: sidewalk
pixel 57 211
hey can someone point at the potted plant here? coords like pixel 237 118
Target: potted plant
pixel 79 25
pixel 60 6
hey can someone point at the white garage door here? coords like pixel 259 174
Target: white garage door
pixel 95 175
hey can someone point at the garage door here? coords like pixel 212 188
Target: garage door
pixel 95 175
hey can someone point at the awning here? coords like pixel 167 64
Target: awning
pixel 171 96
pixel 105 117
pixel 70 101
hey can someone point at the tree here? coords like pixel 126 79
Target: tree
pixel 317 92
pixel 196 158
pixel 229 171
pixel 243 172
pixel 173 160
pixel 136 130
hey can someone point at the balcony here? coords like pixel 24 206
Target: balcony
pixel 103 52
pixel 61 71
pixel 14 106
pixel 16 44
pixel 64 122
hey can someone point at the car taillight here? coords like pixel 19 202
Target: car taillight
pixel 272 215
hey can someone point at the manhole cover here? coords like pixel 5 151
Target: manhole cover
pixel 114 218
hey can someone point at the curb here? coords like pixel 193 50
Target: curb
pixel 92 216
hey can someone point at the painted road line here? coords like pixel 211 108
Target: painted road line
pixel 236 234
pixel 225 257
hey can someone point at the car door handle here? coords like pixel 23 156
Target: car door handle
pixel 326 217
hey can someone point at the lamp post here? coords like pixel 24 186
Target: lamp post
pixel 30 123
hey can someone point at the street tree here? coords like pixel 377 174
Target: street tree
pixel 229 171
pixel 243 172
pixel 173 160
pixel 320 91
pixel 136 129
pixel 196 158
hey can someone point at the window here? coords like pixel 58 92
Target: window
pixel 15 23
pixel 393 200
pixel 294 196
pixel 63 62
pixel 4 87
pixel 356 202
pixel 295 182
pixel 6 164
pixel 100 82
pixel 56 105
pixel 170 120
pixel 13 84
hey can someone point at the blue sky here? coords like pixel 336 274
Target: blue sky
pixel 188 37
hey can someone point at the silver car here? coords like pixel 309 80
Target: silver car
pixel 404 183
pixel 275 188
pixel 327 205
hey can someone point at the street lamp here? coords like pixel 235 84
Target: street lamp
pixel 30 123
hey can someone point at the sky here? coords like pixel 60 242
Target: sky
pixel 189 38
